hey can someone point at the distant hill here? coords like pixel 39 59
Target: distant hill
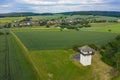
pixel 100 13
pixel 14 14
pixel 22 14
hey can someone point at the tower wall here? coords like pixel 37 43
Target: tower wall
pixel 85 60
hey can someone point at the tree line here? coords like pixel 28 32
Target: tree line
pixel 100 13
pixel 111 53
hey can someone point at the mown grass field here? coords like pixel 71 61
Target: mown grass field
pixel 48 39
pixel 58 65
pixel 13 63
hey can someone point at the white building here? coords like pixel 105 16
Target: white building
pixel 86 53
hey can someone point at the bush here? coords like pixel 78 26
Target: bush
pixel 77 29
pixel 75 47
pixel 70 27
pixel 109 30
pixel 118 37
pixel 87 25
pixel 1 33
pixel 47 26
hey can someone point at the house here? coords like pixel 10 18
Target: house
pixel 118 20
pixel 86 53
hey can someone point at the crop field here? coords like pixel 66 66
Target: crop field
pixel 9 19
pixel 97 27
pixel 13 63
pixel 47 40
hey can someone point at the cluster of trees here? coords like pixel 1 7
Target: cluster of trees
pixel 75 25
pixel 7 25
pixel 111 53
pixel 42 22
pixel 27 19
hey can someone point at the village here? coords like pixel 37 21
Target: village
pixel 62 22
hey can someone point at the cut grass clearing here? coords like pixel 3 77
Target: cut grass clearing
pixel 57 65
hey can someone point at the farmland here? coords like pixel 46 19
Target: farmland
pixel 58 16
pixel 9 19
pixel 50 50
pixel 47 40
pixel 13 63
pixel 104 27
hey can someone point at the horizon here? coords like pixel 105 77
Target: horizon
pixel 57 6
pixel 57 12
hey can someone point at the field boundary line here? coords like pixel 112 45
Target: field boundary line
pixel 27 54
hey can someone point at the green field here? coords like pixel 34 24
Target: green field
pixel 13 63
pixel 9 19
pixel 60 16
pixel 104 27
pixel 49 51
pixel 47 39
pixel 58 65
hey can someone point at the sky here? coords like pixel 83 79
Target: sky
pixel 56 6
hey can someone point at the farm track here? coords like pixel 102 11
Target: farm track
pixel 7 60
pixel 5 71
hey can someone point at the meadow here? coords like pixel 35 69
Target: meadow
pixel 58 65
pixel 55 39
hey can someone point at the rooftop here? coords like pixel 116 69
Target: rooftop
pixel 86 50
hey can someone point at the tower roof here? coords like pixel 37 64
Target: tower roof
pixel 86 50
